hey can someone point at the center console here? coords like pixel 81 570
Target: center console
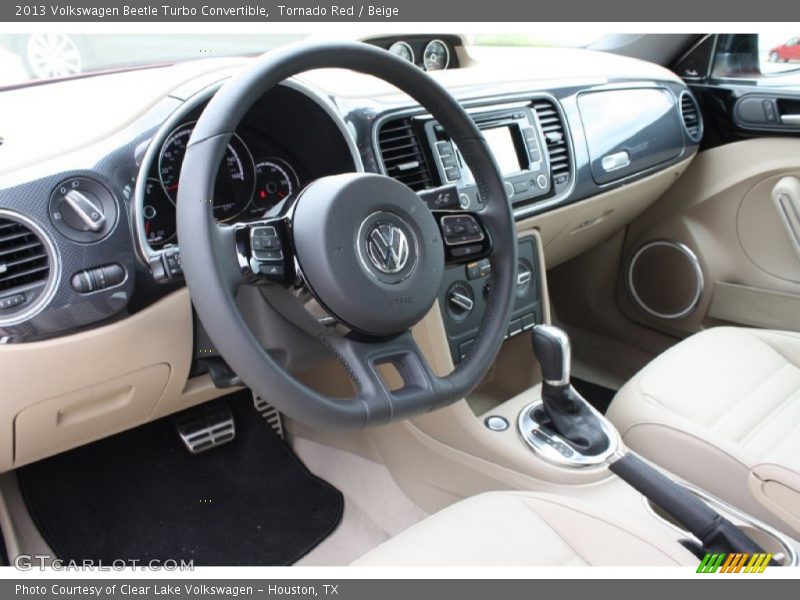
pixel 462 298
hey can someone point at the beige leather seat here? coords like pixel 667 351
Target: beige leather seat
pixel 523 529
pixel 722 410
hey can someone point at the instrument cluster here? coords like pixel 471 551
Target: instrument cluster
pixel 253 178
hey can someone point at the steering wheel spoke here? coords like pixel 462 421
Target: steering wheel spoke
pixel 365 360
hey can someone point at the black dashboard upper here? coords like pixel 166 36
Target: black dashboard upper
pixel 81 233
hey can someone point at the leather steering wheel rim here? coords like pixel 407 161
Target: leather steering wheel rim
pixel 212 273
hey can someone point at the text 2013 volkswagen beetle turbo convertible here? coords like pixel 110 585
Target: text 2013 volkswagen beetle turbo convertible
pixel 403 300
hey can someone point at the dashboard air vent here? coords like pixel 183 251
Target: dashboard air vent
pixel 402 154
pixel 690 114
pixel 556 139
pixel 24 266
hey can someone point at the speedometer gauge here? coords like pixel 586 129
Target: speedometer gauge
pixel 235 179
pixel 436 56
pixel 276 181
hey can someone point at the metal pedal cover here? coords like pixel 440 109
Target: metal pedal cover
pixel 206 428
pixel 270 414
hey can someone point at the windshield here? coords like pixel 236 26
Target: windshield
pixel 556 38
pixel 26 57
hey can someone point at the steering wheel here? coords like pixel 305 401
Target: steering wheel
pixel 367 248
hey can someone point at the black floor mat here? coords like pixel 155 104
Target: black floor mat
pixel 141 495
pixel 598 396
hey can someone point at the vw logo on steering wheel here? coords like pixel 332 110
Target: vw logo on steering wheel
pixel 388 248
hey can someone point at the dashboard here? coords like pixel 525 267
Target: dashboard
pixel 88 235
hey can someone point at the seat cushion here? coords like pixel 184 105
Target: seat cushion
pixel 722 410
pixel 522 529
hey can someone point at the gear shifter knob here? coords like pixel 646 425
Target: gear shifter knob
pixel 570 415
pixel 552 349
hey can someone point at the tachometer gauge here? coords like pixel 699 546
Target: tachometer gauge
pixel 159 214
pixel 235 179
pixel 436 56
pixel 276 181
pixel 403 50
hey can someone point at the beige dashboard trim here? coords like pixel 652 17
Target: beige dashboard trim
pixel 74 389
pixel 573 229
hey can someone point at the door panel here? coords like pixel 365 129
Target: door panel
pixel 721 212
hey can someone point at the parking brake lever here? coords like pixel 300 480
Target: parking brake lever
pixel 715 532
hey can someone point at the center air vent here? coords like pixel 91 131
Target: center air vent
pixel 402 154
pixel 556 139
pixel 690 114
pixel 24 269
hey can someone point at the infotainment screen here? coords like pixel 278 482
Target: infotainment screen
pixel 502 146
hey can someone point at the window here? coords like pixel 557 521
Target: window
pixel 760 56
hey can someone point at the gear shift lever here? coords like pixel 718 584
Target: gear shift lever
pixel 569 414
pixel 552 349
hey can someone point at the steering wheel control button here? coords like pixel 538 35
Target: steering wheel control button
pixel 265 257
pixel 83 210
pixel 461 229
pixel 462 251
pixel 99 278
pixel 496 423
pixel 265 244
pixel 270 270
